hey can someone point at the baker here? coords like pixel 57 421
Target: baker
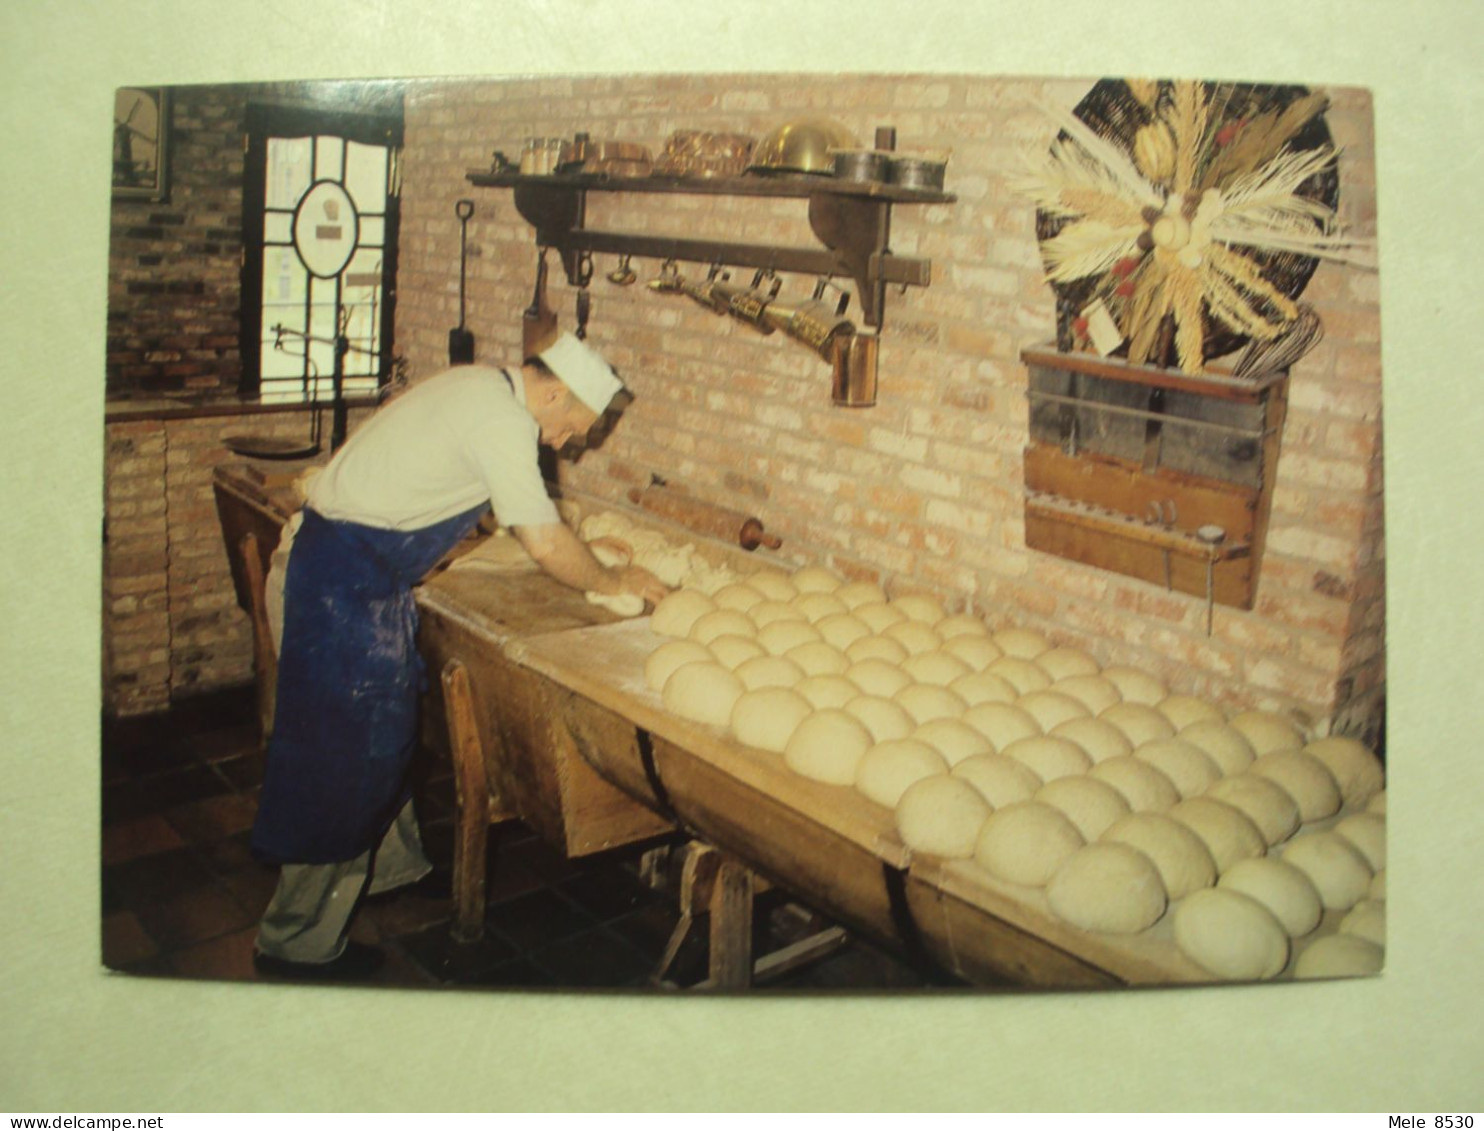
pixel 335 813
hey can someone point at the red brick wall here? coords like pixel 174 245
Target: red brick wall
pixel 924 491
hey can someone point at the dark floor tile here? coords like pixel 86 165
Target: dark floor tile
pixel 242 773
pixel 231 853
pixel 608 893
pixel 125 940
pixel 142 836
pixel 227 956
pixel 252 886
pixel 538 858
pixel 858 966
pixel 399 913
pixel 596 959
pixel 195 916
pixel 149 880
pixel 434 951
pixel 141 796
pixel 212 818
pixel 520 974
pixel 535 921
pixel 649 928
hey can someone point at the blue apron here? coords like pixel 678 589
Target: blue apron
pixel 349 678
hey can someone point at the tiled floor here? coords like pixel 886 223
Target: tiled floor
pixel 182 895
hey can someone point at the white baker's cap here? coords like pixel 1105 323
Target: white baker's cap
pixel 583 370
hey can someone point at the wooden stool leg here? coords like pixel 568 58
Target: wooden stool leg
pixel 472 791
pixel 731 927
pixel 265 659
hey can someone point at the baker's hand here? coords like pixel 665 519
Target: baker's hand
pixel 636 579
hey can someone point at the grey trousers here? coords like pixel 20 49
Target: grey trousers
pixel 308 918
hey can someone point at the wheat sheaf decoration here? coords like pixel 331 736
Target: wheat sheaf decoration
pixel 1187 215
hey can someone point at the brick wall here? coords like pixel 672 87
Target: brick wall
pixel 923 491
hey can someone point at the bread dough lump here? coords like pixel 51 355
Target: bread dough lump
pixel 816 657
pixel 772 584
pixel 1357 771
pixel 935 667
pixel 1377 804
pixel 738 596
pixel 1183 710
pixel 1145 788
pixel 1026 842
pixel 883 718
pixel 1228 833
pixel 1107 887
pixel 1230 935
pixel 842 630
pixel 780 636
pixel 983 687
pixel 953 739
pixel 1020 673
pixel 817 606
pixel 875 648
pixel 827 690
pixel 769 671
pixel 1021 643
pixel 1050 708
pixel 1304 778
pixel 1100 740
pixel 1066 663
pixel 976 651
pixel 1338 870
pixel 1281 888
pixel 915 636
pixel 926 702
pixel 1186 765
pixel 734 651
pixel 961 624
pixel 1139 722
pixel 1225 744
pixel 677 612
pixel 769 612
pixel 721 622
pixel 1366 920
pixel 941 816
pixel 878 677
pixel 1049 757
pixel 926 610
pixel 890 767
pixel 1136 685
pixel 1092 691
pixel 619 604
pixel 1182 858
pixel 828 746
pixel 670 655
pixel 1340 956
pixel 1268 731
pixel 1002 723
pixel 703 692
pixel 1366 833
pixel 854 594
pixel 815 579
pixel 767 718
pixel 1268 804
pixel 1089 804
pixel 1001 780
pixel 1377 890
pixel 878 616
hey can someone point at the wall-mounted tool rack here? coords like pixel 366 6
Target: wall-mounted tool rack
pixel 851 219
pixel 1153 473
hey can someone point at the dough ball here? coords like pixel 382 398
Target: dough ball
pixel 1356 770
pixel 921 608
pixel 1066 663
pixel 1183 710
pixel 817 606
pixel 734 651
pixel 1182 859
pixel 854 594
pixel 878 677
pixel 1377 890
pixel 773 585
pixel 1186 765
pixel 677 612
pixel 738 596
pixel 1304 778
pixel 721 622
pixel 1268 731
pixel 1228 833
pixel 1051 708
pixel 1366 833
pixel 1000 779
pixel 769 612
pixel 704 692
pixel 1339 872
pixel 769 671
pixel 926 702
pixel 1139 722
pixel 875 648
pixel 1144 788
pixel 878 617
pixel 883 718
pixel 1049 757
pixel 842 630
pixel 1107 887
pixel 816 657
pixel 1377 804
pixel 1366 920
pixel 934 667
pixel 915 636
pixel 982 687
pixel 1225 744
pixel 976 651
pixel 1025 842
pixel 1340 956
pixel 1281 888
pixel 1021 674
pixel 890 767
pixel 1089 804
pixel 953 739
pixel 782 636
pixel 941 816
pixel 1002 723
pixel 1136 685
pixel 828 747
pixel 1100 740
pixel 1230 935
pixel 670 655
pixel 1021 643
pixel 767 718
pixel 815 579
pixel 961 624
pixel 1092 691
pixel 1275 814
pixel 827 690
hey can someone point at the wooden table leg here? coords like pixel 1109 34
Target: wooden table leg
pixel 731 927
pixel 265 659
pixel 471 835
